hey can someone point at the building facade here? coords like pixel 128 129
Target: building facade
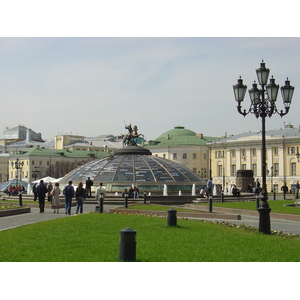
pixel 243 152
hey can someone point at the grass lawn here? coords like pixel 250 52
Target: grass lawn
pixel 95 238
pixel 277 206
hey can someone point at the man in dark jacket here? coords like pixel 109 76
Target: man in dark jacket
pixel 69 194
pixel 88 186
pixel 41 191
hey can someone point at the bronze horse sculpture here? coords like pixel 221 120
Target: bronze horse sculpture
pixel 129 138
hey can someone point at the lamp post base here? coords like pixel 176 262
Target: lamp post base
pixel 264 220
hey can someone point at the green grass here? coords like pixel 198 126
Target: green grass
pixel 277 206
pixel 95 238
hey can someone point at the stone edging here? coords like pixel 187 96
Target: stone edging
pixel 16 211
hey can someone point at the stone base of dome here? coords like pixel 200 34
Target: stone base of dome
pixel 133 150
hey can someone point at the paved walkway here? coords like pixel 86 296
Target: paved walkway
pixel 35 216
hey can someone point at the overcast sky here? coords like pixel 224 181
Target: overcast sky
pixel 91 85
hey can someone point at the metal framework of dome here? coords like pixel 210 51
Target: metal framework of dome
pixel 134 165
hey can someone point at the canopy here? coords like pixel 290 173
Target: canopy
pixel 13 182
pixel 45 179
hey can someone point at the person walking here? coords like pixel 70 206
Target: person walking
pixel 34 191
pixel 100 193
pixel 69 194
pixel 284 189
pixel 55 198
pixel 41 191
pixel 88 185
pixel 49 188
pixel 209 187
pixel 80 197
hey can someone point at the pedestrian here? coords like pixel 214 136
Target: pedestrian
pixel 80 196
pixel 88 186
pixel 100 193
pixel 136 193
pixel 55 197
pixel 49 188
pixel 297 189
pixel 284 189
pixel 41 191
pixel 34 192
pixel 69 194
pixel 209 187
pixel 257 187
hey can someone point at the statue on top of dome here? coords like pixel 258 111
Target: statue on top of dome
pixel 129 139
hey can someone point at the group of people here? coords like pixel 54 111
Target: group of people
pixel 13 190
pixel 81 193
pixel 131 193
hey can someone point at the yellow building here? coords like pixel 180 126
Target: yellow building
pixel 38 162
pixel 243 152
pixel 185 147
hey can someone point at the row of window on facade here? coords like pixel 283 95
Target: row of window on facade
pixel 221 154
pixel 185 156
pixel 270 172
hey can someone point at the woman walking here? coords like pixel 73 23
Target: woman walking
pixel 55 200
pixel 80 196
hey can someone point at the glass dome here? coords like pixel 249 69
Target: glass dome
pixel 135 166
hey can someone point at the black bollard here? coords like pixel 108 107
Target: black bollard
pixel 172 217
pixel 126 201
pixel 274 196
pixel 20 199
pixel 210 203
pixel 101 203
pixel 127 245
pixel 222 197
pixel 145 197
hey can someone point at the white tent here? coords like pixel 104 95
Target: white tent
pixel 45 179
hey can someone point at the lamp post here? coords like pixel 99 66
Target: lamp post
pixel 18 165
pixel 263 104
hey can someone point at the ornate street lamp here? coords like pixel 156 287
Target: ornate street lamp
pixel 18 165
pixel 263 104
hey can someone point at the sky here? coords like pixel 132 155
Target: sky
pixel 93 85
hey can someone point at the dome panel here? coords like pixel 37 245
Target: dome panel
pixel 142 170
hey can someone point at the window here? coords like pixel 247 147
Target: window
pixel 254 169
pixel 243 153
pixel 276 169
pixel 291 150
pixel 243 166
pixel 164 155
pixel 184 156
pixel 233 153
pixel 41 162
pixel 194 155
pixel 204 156
pixel 220 170
pixel 195 170
pixel 254 152
pixel 293 169
pixel 174 155
pixel 233 170
pixel 276 151
pixel 32 162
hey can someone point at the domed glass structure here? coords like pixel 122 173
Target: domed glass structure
pixel 135 166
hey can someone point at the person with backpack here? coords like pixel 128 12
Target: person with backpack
pixel 69 194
